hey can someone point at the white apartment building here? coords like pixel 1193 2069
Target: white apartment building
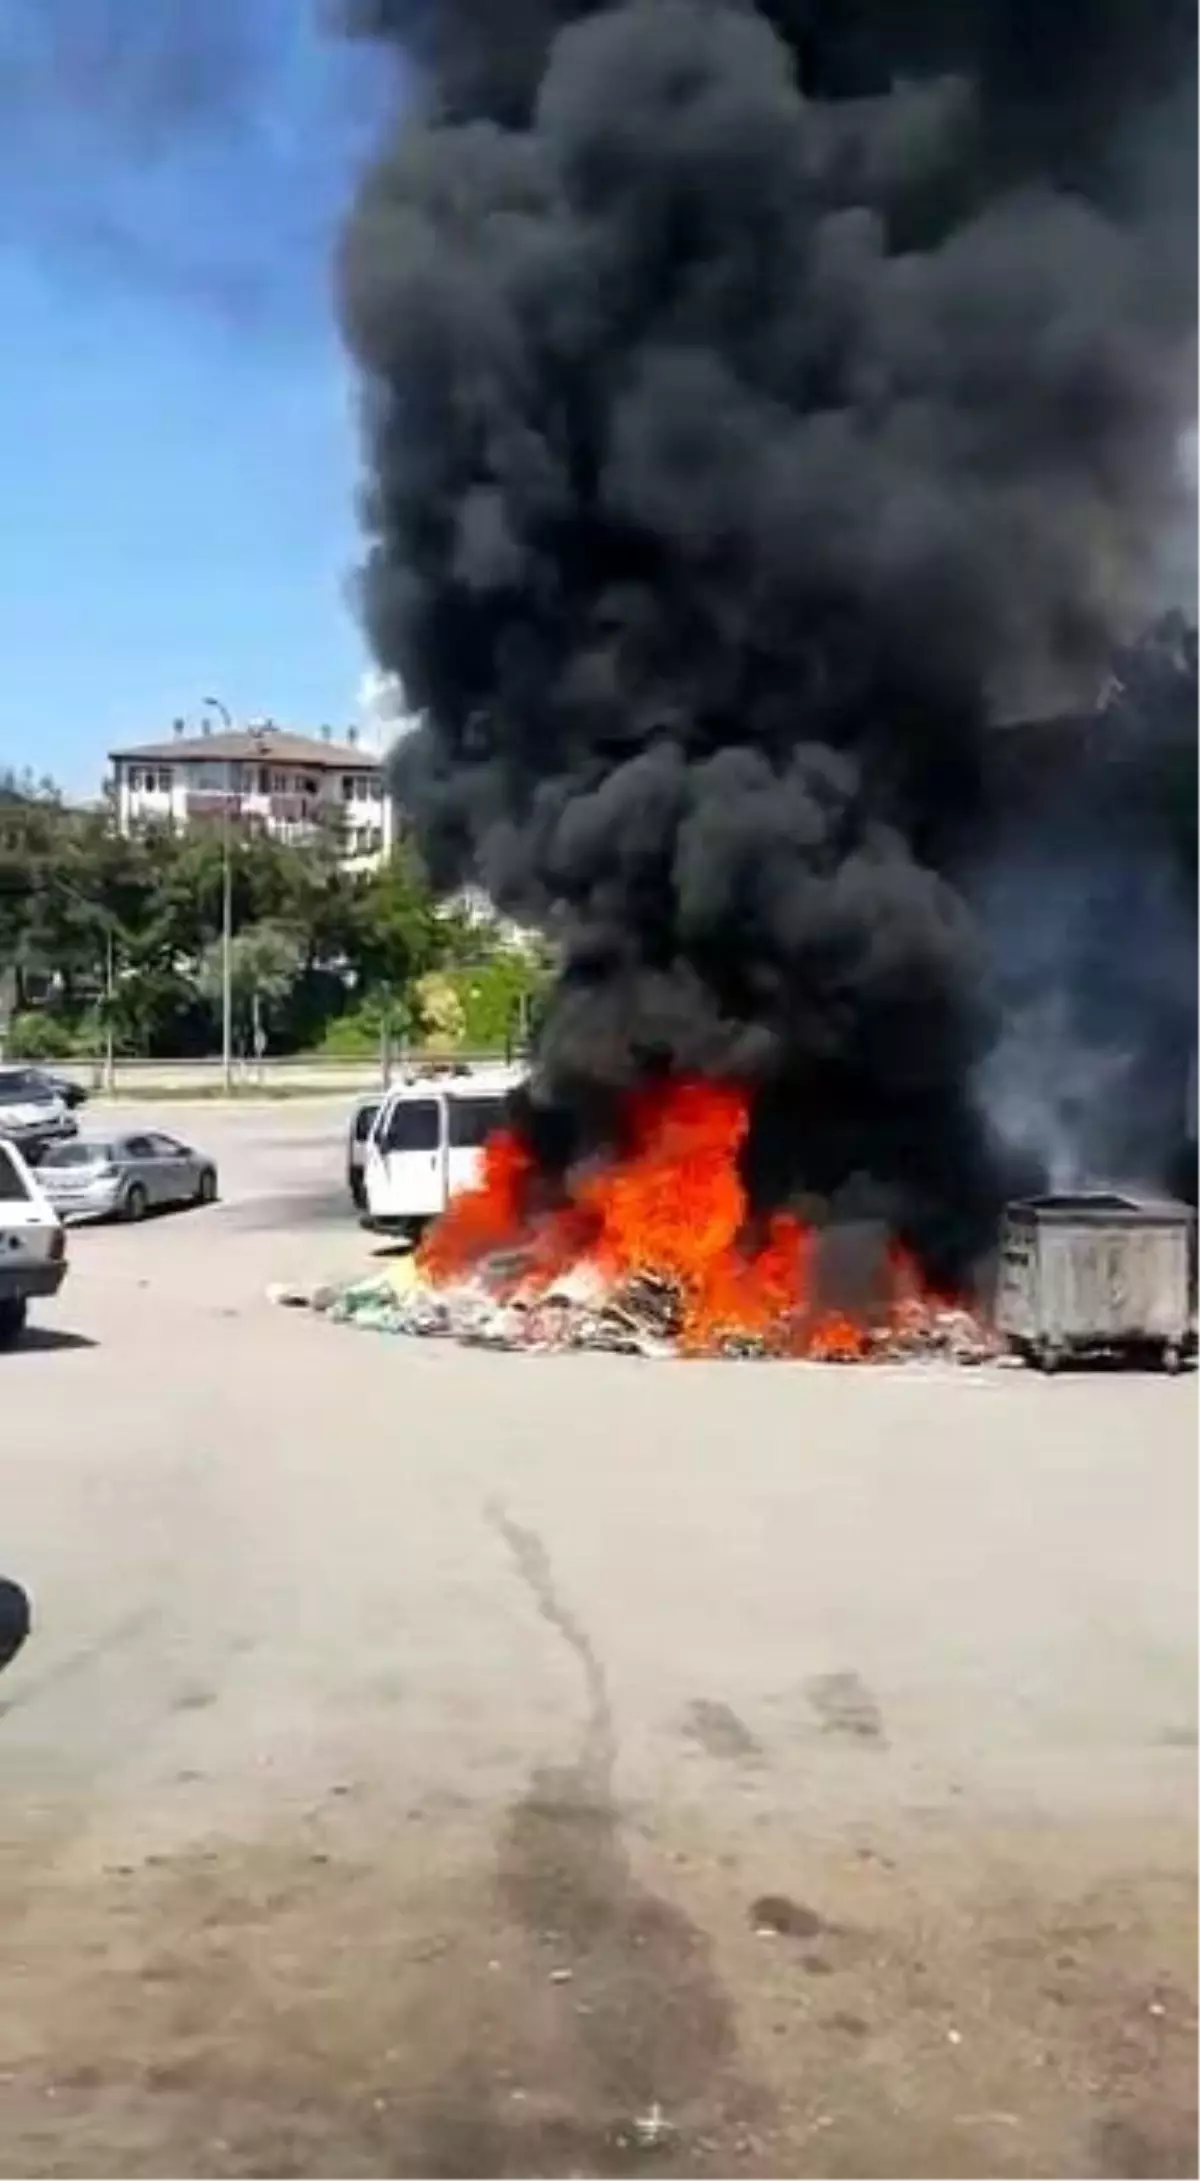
pixel 290 786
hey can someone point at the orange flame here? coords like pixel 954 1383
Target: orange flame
pixel 673 1204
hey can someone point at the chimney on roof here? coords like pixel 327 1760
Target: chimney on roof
pixel 327 734
pixel 178 726
pixel 206 727
pixel 352 737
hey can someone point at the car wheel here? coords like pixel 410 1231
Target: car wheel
pixel 13 1312
pixel 206 1189
pixel 136 1201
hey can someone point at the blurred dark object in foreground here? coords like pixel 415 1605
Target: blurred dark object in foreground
pixel 14 1620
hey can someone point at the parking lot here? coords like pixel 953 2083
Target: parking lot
pixel 430 1761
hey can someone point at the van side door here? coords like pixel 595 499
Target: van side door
pixel 409 1143
pixel 471 1119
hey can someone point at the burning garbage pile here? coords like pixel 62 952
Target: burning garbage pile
pixel 654 1252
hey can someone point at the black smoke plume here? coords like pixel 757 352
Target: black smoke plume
pixel 766 407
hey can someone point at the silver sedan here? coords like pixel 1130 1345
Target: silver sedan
pixel 124 1177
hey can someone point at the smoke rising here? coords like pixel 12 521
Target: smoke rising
pixel 1089 900
pixel 765 407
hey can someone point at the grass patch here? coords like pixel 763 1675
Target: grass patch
pixel 215 1094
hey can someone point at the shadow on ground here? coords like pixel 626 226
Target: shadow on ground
pixel 45 1339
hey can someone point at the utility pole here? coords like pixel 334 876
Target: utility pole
pixel 110 994
pixel 226 955
pixel 226 918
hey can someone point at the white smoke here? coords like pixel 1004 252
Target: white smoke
pixel 1089 960
pixel 383 710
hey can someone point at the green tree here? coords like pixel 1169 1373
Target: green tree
pixel 265 962
pixel 103 933
pixel 395 936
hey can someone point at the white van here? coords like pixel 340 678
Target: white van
pixel 426 1144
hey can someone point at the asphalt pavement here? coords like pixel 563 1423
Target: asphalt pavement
pixel 431 1761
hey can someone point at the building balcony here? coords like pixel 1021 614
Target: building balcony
pixel 212 803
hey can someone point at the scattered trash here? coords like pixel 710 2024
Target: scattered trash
pixel 652 2127
pixel 291 1298
pixel 561 1976
pixel 503 1304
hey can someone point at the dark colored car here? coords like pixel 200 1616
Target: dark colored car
pixel 15 1620
pixel 362 1121
pixel 65 1087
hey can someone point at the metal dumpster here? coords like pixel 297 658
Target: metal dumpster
pixel 1093 1272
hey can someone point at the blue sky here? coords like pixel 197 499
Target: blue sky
pixel 177 444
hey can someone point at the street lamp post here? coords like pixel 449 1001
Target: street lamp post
pixel 226 920
pixel 110 995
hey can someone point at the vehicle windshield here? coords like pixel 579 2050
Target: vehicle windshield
pixel 77 1154
pixel 22 1086
pixel 12 1181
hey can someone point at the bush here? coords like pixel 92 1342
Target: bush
pixel 39 1037
pixel 441 1017
pixel 469 1008
pixel 354 1035
pixel 358 1033
pixel 488 995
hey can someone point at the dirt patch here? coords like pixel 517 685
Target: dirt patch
pixel 718 1729
pixel 845 1706
pixel 1153 2148
pixel 565 1987
pixel 368 1996
pixel 287 2008
pixel 776 1915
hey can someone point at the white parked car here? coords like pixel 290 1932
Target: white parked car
pixel 33 1247
pixel 427 1144
pixel 33 1110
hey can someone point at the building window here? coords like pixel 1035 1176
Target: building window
pixel 347 787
